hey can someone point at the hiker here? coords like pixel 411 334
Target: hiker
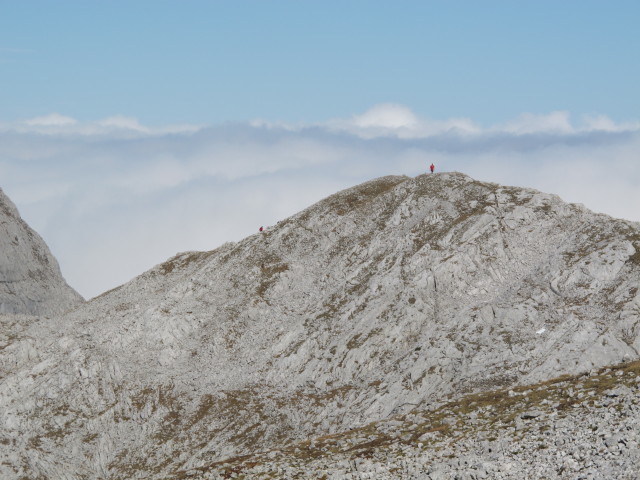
pixel 261 229
pixel 432 167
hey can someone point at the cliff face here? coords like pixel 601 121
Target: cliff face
pixel 30 278
pixel 395 294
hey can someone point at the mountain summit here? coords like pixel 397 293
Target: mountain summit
pixel 394 294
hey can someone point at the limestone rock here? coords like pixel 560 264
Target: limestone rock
pixel 30 278
pixel 392 295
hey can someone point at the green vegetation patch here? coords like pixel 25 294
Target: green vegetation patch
pixel 182 261
pixel 356 198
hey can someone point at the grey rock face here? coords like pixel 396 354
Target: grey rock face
pixel 395 294
pixel 30 278
pixel 575 438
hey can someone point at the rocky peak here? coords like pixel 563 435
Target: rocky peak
pixel 395 294
pixel 30 278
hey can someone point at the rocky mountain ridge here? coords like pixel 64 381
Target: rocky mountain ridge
pixel 396 294
pixel 30 278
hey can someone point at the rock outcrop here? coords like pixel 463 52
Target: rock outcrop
pixel 396 294
pixel 30 278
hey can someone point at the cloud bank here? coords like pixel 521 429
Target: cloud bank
pixel 114 197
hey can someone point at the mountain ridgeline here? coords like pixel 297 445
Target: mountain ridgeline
pixel 397 294
pixel 30 278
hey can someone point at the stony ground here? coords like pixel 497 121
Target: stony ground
pixel 581 427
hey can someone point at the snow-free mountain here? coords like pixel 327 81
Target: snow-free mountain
pixel 30 278
pixel 397 294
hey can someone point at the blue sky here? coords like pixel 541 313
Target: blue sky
pixel 130 131
pixel 217 61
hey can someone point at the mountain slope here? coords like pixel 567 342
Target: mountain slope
pixel 390 295
pixel 583 426
pixel 30 278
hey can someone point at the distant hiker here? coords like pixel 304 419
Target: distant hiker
pixel 432 167
pixel 261 229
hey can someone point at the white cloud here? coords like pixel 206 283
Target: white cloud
pixel 121 126
pixel 528 123
pixel 51 120
pixel 605 124
pixel 386 115
pixel 122 122
pixel 394 120
pixel 114 197
pixel 601 122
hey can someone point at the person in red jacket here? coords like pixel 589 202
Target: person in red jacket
pixel 261 229
pixel 432 167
